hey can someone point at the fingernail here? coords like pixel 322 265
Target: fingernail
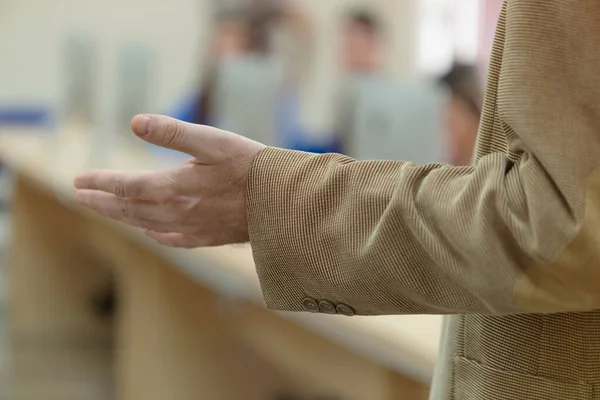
pixel 144 125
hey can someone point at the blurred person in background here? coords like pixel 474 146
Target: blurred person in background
pixel 363 47
pixel 231 37
pixel 238 31
pixel 297 32
pixel 247 30
pixel 361 53
pixel 463 112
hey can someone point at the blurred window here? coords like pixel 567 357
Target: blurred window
pixel 448 33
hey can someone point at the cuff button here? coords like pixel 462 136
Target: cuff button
pixel 310 305
pixel 345 309
pixel 327 307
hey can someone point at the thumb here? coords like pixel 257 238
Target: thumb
pixel 202 142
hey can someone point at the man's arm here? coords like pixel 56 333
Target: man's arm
pixel 519 232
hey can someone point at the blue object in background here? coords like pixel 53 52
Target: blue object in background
pixel 184 110
pixel 290 132
pixel 292 135
pixel 26 116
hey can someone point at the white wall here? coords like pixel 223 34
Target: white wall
pixel 449 32
pixel 490 12
pixel 32 36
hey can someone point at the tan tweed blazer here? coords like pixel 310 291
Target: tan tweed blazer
pixel 509 247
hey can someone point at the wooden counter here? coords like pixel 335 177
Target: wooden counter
pixel 189 324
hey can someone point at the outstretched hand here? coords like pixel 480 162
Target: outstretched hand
pixel 198 204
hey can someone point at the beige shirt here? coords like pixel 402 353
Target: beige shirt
pixel 510 247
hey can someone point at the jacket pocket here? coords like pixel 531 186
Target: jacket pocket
pixel 474 381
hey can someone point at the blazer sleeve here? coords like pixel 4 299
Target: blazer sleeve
pixel 517 232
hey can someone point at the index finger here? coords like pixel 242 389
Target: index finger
pixel 142 185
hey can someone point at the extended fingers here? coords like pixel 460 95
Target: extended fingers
pixel 142 185
pixel 134 212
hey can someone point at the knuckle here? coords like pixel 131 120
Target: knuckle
pixel 130 209
pixel 126 210
pixel 173 133
pixel 133 188
pixel 163 189
pixel 119 187
pixel 225 144
pixel 168 196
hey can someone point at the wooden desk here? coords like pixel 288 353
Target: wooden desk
pixel 189 324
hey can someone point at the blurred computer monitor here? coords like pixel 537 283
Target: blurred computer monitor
pixel 397 121
pixel 80 73
pixel 246 96
pixel 134 76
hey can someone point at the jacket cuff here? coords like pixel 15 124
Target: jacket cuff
pixel 266 194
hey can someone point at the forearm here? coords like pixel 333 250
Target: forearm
pixel 390 237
